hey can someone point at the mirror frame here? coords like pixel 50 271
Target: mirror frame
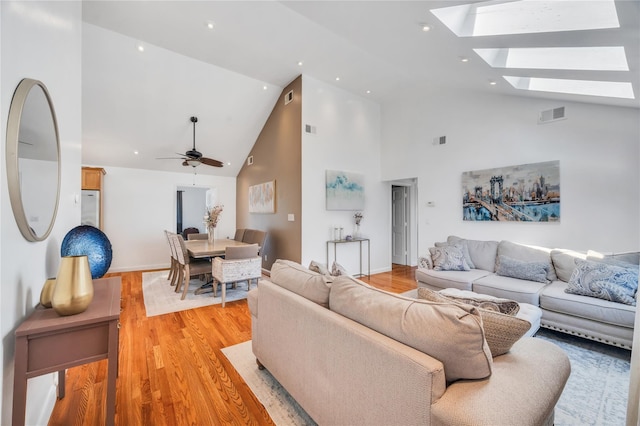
pixel 13 170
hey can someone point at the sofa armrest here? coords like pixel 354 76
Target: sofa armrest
pixel 523 389
pixel 425 262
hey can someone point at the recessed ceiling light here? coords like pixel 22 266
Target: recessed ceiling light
pixel 612 89
pixel 425 27
pixel 492 82
pixel 136 152
pixel 368 91
pixel 464 59
pixel 300 63
pixel 228 164
pixel 337 78
pixel 264 87
pixel 140 47
pixel 210 24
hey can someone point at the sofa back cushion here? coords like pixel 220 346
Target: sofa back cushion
pixel 300 280
pixel 528 254
pixel 450 333
pixel 483 253
pixel 564 262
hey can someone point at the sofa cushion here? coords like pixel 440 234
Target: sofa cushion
pixel 449 279
pixel 514 268
pixel 450 333
pixel 554 298
pixel 604 281
pixel 484 301
pixel 483 253
pixel 528 254
pixel 522 291
pixel 564 262
pixel 448 258
pixel 300 280
pixel 462 245
pixel 500 330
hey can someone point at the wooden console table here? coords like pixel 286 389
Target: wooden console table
pixel 47 342
pixel 354 240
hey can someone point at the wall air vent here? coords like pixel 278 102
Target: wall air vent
pixel 308 128
pixel 440 140
pixel 249 160
pixel 288 97
pixel 551 115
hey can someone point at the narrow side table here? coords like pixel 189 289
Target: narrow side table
pixel 354 240
pixel 47 342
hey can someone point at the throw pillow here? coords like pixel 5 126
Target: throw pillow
pixel 484 301
pixel 604 281
pixel 500 330
pixel 318 267
pixel 338 270
pixel 483 253
pixel 462 245
pixel 532 271
pixel 449 258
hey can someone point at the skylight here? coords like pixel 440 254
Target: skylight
pixel 612 89
pixel 527 16
pixel 560 58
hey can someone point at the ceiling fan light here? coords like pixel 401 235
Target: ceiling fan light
pixel 193 162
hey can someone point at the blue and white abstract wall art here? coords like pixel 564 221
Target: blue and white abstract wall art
pixel 345 190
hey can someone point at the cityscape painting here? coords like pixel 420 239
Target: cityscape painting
pixel 524 193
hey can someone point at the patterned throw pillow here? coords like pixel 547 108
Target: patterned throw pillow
pixel 500 330
pixel 514 268
pixel 604 281
pixel 318 267
pixel 449 258
pixel 462 245
pixel 338 270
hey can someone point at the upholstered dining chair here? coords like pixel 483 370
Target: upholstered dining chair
pixel 257 237
pixel 188 267
pixel 239 234
pixel 197 236
pixel 240 264
pixel 173 268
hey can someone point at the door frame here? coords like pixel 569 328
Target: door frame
pixel 412 218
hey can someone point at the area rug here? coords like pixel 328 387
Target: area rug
pixel 160 297
pixel 596 393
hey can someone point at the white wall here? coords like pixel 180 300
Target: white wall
pixel 140 204
pixel 348 139
pixel 597 146
pixel 40 40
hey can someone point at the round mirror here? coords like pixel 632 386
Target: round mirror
pixel 33 160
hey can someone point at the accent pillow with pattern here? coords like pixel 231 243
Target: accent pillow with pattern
pixel 449 258
pixel 604 281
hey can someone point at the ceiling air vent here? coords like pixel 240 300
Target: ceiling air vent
pixel 551 115
pixel 288 97
pixel 249 160
pixel 440 140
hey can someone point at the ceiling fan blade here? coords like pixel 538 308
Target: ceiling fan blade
pixel 170 158
pixel 211 162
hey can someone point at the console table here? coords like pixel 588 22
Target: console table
pixel 354 240
pixel 47 342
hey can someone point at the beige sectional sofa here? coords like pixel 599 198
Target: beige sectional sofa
pixel 352 354
pixel 586 316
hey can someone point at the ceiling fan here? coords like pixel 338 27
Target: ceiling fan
pixel 194 157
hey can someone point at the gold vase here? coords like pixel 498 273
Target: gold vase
pixel 47 292
pixel 73 291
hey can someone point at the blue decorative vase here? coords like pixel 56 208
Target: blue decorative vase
pixel 92 242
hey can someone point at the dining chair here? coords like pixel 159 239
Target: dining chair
pixel 190 230
pixel 197 236
pixel 240 264
pixel 188 266
pixel 239 234
pixel 173 268
pixel 259 238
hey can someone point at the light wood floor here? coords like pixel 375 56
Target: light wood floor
pixel 171 369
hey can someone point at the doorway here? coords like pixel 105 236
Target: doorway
pixel 191 206
pixel 404 232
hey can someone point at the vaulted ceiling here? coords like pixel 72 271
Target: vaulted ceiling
pixel 227 61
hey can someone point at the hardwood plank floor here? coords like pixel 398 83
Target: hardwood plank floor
pixel 171 368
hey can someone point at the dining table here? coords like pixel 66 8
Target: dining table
pixel 203 248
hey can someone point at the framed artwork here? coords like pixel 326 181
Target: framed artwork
pixel 262 198
pixel 524 193
pixel 345 190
